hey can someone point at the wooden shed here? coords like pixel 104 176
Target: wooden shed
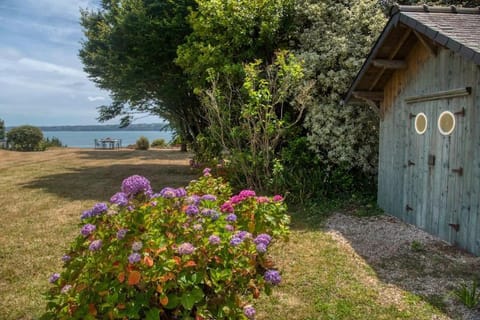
pixel 423 78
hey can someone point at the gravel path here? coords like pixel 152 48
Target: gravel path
pixel 405 257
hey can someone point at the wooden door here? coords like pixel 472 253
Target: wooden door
pixel 416 189
pixel 434 168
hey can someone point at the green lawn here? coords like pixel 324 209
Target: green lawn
pixel 43 194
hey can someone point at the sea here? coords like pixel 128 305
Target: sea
pixel 86 139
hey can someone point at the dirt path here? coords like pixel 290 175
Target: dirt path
pixel 405 257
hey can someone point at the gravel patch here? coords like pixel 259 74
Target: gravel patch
pixel 406 257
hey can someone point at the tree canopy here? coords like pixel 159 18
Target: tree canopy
pixel 129 49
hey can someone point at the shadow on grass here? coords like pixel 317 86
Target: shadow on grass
pixel 100 183
pixel 152 154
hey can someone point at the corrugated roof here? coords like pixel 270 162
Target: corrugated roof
pixel 457 29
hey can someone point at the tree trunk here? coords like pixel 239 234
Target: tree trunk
pixel 183 147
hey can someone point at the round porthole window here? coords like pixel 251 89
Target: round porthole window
pixel 446 123
pixel 421 123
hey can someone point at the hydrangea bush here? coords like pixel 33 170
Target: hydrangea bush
pixel 194 253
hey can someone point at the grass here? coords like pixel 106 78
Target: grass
pixel 43 195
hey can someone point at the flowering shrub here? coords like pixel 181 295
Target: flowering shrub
pixel 170 255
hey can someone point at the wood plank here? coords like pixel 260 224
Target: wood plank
pixel 389 64
pixel 369 95
pixel 445 94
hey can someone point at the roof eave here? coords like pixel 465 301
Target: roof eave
pixel 378 44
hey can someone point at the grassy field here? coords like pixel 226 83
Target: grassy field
pixel 43 194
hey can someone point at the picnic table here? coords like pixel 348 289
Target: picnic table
pixel 108 143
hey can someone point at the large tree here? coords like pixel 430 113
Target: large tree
pixel 226 34
pixel 129 49
pixel 248 85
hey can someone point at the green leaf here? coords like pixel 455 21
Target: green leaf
pixel 189 299
pixel 173 301
pixel 152 314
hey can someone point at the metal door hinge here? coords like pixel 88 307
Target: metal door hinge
pixel 459 171
pixel 455 226
pixel 460 113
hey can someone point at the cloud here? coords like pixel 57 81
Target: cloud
pixel 43 66
pixel 95 98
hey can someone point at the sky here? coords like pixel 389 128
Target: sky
pixel 42 81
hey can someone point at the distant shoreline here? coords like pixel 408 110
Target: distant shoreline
pixel 132 127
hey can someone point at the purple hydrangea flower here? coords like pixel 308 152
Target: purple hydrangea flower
pixel 193 200
pixel 66 288
pixel 86 214
pixel 262 248
pixel 99 208
pixel 95 245
pixel 87 229
pixel 119 198
pixel 185 248
pixel 121 233
pixel 214 239
pixel 249 312
pixel 207 212
pixel 247 193
pixel 263 239
pixel 209 197
pixel 66 258
pixel 168 193
pixel 206 172
pixel 215 215
pixel 226 207
pixel 54 277
pixel 231 217
pixel 180 192
pixel 229 227
pixel 277 198
pixel 235 241
pixel 192 210
pixel 243 234
pixel 137 246
pixel 134 257
pixel 136 184
pixel 272 277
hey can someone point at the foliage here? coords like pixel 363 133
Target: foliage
pixel 273 102
pixel 129 49
pixel 208 184
pixel 227 34
pixel 54 142
pixel 170 255
pixel 301 174
pixel 417 246
pixel 158 143
pixel 25 138
pixel 142 143
pixel 2 129
pixel 468 294
pixel 333 38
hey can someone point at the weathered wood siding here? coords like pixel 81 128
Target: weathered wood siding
pixel 437 196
